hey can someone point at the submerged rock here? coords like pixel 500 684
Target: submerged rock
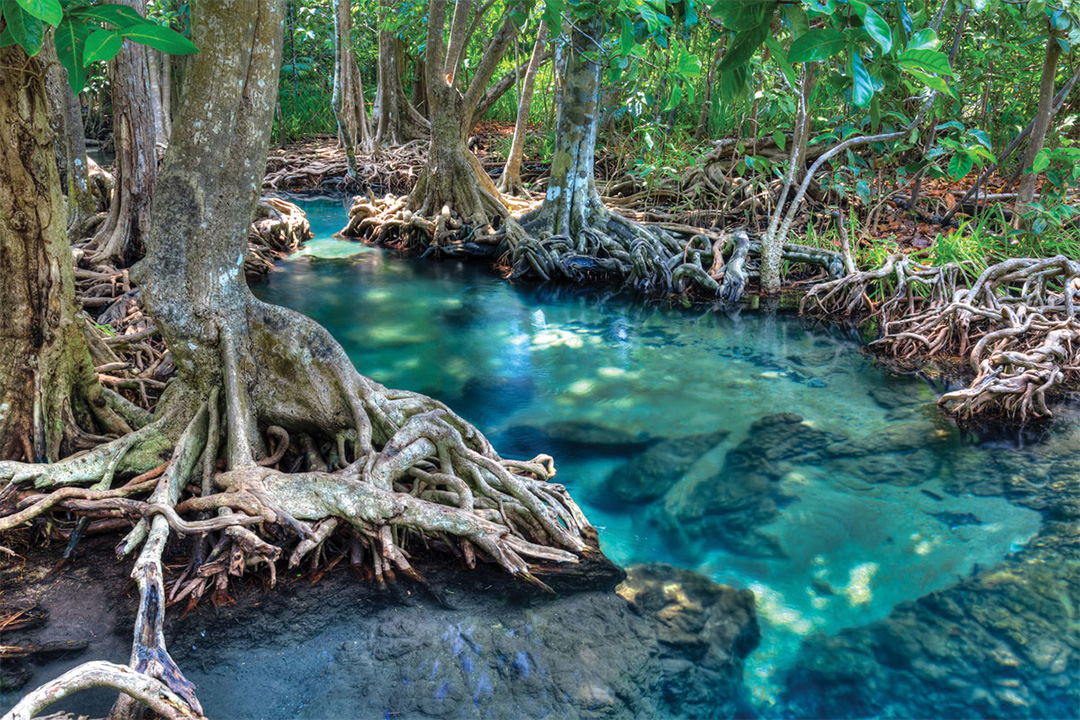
pixel 674 647
pixel 728 508
pixel 994 645
pixel 570 439
pixel 1000 643
pixel 651 474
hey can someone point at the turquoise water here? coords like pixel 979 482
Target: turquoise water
pixel 833 516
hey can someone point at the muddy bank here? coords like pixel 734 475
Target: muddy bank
pixel 670 643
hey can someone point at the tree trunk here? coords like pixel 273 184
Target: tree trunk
pixel 419 87
pixel 121 240
pixel 66 121
pixel 502 86
pixel 1043 118
pixel 398 120
pixel 454 195
pixel 156 70
pixel 772 244
pixel 573 233
pixel 352 118
pixel 702 128
pixel 510 182
pixel 48 387
pixel 572 200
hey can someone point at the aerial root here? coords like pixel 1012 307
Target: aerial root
pixel 1015 325
pixel 98 673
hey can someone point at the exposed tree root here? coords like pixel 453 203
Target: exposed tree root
pixel 309 165
pixel 663 258
pixel 98 673
pixel 390 221
pixel 279 228
pixel 1015 326
pixel 393 471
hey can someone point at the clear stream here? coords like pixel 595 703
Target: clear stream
pixel 585 378
pixel 760 452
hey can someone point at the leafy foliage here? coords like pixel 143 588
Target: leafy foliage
pixel 85 34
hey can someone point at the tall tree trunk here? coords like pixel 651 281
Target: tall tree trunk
pixel 166 94
pixel 502 86
pixel 157 67
pixel 66 121
pixel 352 118
pixel 572 233
pixel 121 239
pixel 454 191
pixel 398 120
pixel 510 182
pixel 702 127
pixel 1043 118
pixel 419 87
pixel 49 391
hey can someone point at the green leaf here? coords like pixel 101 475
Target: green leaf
pixel 119 16
pixel 925 60
pixel 161 38
pixel 925 39
pixel 862 89
pixel 982 137
pixel 781 139
pixel 816 45
pixel 932 81
pixel 862 189
pixel 25 30
pixel 102 45
pixel 688 65
pixel 960 165
pixel 48 11
pixel 70 41
pixel 878 29
pixel 875 114
pixel 776 50
pixel 743 47
pixel 1042 161
pixel 626 35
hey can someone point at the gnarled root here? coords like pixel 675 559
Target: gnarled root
pixel 1015 325
pixel 279 228
pixel 394 470
pixel 446 230
pixel 609 247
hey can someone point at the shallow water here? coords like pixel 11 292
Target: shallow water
pixel 840 540
pixel 758 451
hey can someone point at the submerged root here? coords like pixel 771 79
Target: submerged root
pixel 1015 326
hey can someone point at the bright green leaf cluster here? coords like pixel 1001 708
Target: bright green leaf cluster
pixel 84 35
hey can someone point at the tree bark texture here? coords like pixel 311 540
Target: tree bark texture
pixel 48 388
pixel 352 118
pixel 121 240
pixel 398 121
pixel 1043 118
